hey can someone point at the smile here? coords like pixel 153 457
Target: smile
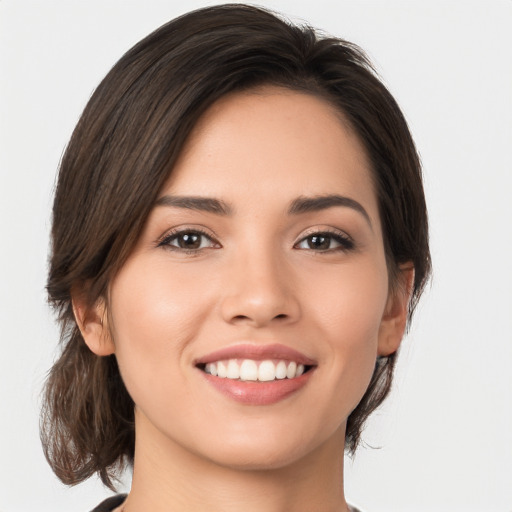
pixel 254 370
pixel 256 374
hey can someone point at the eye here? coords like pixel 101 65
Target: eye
pixel 189 240
pixel 326 241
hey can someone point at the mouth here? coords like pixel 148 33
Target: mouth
pixel 253 370
pixel 257 374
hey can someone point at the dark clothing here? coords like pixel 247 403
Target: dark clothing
pixel 111 503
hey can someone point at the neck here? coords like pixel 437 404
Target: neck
pixel 168 477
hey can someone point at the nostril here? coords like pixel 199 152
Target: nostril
pixel 240 317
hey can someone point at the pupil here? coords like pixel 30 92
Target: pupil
pixel 319 242
pixel 190 241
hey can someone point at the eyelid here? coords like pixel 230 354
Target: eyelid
pixel 347 242
pixel 163 240
pixel 344 239
pixel 316 230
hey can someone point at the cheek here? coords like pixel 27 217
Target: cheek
pixel 348 317
pixel 350 301
pixel 154 315
pixel 152 301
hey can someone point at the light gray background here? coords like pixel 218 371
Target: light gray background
pixel 445 436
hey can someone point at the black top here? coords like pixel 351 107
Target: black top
pixel 111 503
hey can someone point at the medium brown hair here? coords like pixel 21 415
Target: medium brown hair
pixel 123 150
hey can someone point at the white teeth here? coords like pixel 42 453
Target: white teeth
pixel 281 370
pixel 233 370
pixel 250 370
pixel 222 371
pixel 211 368
pixel 266 371
pixel 292 369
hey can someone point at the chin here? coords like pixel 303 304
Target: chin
pixel 272 450
pixel 257 458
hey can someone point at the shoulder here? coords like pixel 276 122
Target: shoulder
pixel 110 503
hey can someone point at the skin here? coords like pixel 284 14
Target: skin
pixel 257 279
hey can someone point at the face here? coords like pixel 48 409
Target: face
pixel 247 321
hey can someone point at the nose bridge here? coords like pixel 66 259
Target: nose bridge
pixel 259 287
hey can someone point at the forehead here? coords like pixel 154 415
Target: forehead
pixel 273 141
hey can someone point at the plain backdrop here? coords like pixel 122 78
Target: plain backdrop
pixel 443 441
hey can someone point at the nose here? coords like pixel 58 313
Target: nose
pixel 260 292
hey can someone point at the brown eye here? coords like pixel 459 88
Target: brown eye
pixel 324 242
pixel 187 241
pixel 319 242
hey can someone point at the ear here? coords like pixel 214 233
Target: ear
pixel 394 320
pixel 92 322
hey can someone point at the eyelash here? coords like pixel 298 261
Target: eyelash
pixel 175 234
pixel 346 243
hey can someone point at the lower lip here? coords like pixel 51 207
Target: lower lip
pixel 256 392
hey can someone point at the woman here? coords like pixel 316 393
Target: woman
pixel 239 239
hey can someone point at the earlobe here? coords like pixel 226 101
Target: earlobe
pixel 93 325
pixel 394 320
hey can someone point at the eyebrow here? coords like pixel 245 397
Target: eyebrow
pixel 298 206
pixel 205 204
pixel 314 204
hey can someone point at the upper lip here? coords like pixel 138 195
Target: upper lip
pixel 257 352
